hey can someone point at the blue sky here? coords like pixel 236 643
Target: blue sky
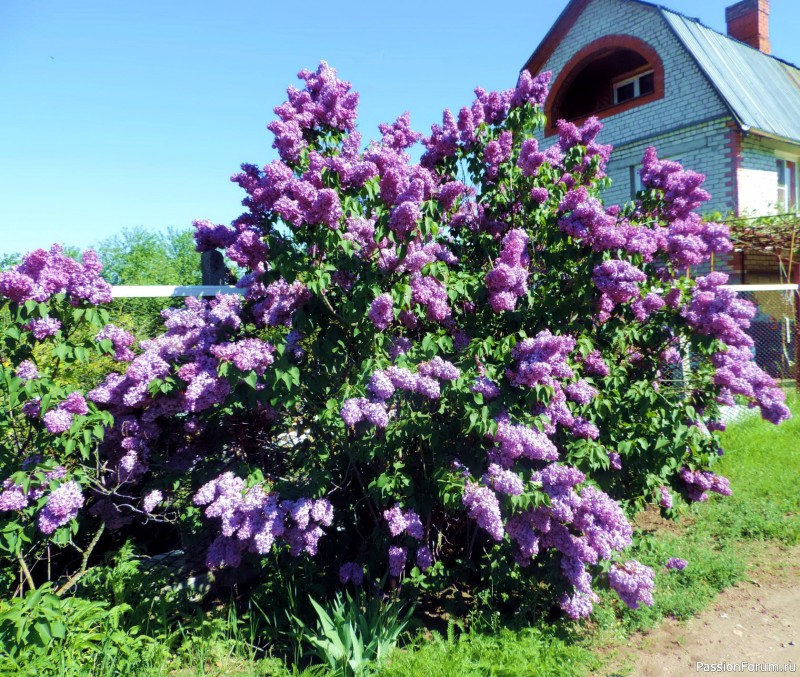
pixel 136 112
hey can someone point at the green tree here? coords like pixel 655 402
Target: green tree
pixel 142 257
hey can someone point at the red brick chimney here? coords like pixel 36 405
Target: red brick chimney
pixel 748 21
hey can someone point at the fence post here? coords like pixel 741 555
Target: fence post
pixel 212 267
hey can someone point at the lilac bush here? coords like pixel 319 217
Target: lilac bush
pixel 466 359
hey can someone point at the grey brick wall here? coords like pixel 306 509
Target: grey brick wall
pixel 700 147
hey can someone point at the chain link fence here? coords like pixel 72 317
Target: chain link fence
pixel 774 329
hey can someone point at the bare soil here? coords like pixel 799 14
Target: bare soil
pixel 755 622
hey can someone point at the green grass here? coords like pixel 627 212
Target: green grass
pixel 505 653
pixel 763 463
pixel 719 538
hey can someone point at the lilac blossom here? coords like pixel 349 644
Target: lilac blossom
pixel 246 355
pixel 151 500
pixel 676 563
pixel 62 506
pixel 540 358
pixel 483 507
pixel 43 274
pixel 432 294
pixel 120 339
pixel 280 302
pixel 27 371
pixel 380 312
pixel 508 280
pixel 404 521
pixel 424 558
pixel 580 392
pixel 501 480
pixel 439 368
pixel 485 387
pixel 44 327
pixel 12 497
pixel 57 420
pixel 618 280
pixel 634 583
pixel 351 572
pixel 595 365
pixel 75 404
pixel 699 482
pixel 515 441
pixel 397 560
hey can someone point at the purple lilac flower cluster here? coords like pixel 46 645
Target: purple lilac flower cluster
pixel 541 359
pixel 190 350
pixel 488 108
pixel 516 441
pixel 325 101
pixel 246 355
pixel 618 282
pixel 120 339
pixel 502 480
pixel 151 500
pixel 676 563
pixel 634 583
pixel 43 328
pixel 486 387
pixel 508 279
pixel 699 482
pixel 584 527
pixel 59 420
pixel 12 497
pixel 689 240
pixel 27 371
pixel 482 506
pixel 252 519
pixel 595 365
pixel 43 274
pixel 714 311
pixel 62 507
pixel 278 302
pixel 351 572
pixel 380 312
pixel 402 521
pixel 383 384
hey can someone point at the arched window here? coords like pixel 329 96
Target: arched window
pixel 608 76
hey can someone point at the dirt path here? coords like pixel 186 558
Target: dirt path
pixel 755 622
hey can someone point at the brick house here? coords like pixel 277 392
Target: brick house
pixel 720 104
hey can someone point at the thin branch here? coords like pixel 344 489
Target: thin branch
pixel 25 571
pixel 330 308
pixel 86 554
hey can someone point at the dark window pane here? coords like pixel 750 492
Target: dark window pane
pixel 625 92
pixel 647 84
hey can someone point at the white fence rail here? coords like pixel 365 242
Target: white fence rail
pixel 162 291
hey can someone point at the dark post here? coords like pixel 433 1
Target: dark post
pixel 212 266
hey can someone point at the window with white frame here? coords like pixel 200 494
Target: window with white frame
pixel 633 87
pixel 787 183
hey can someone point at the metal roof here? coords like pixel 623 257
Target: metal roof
pixel 762 92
